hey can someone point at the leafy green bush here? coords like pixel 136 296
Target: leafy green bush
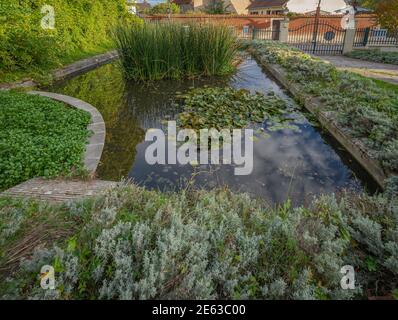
pixel 375 56
pixel 80 27
pixel 39 137
pixel 163 8
pixel 170 50
pixel 367 111
pixel 138 244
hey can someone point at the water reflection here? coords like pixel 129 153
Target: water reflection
pixel 287 164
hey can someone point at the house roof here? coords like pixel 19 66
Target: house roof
pixel 142 5
pixel 267 4
pixel 181 2
pixel 314 12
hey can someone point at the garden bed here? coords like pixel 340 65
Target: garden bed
pixel 361 114
pixel 138 244
pixel 375 56
pixel 39 137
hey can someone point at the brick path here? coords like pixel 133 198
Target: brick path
pixel 58 190
pixel 380 71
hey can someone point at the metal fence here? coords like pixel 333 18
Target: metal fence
pixel 318 38
pixel 374 37
pixel 255 33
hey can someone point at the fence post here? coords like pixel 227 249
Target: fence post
pixel 284 31
pixel 254 32
pixel 349 39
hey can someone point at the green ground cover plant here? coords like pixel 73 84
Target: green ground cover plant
pixel 82 28
pixel 156 51
pixel 366 109
pixel 375 56
pixel 39 137
pixel 133 243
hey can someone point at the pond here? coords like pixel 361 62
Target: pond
pixel 287 164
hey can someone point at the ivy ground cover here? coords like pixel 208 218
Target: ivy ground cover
pixel 39 137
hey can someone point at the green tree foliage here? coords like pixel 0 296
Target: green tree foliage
pixel 216 7
pixel 80 26
pixel 164 8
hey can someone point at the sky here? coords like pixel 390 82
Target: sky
pixel 299 5
pixel 308 5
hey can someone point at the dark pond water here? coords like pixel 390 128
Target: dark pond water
pixel 288 163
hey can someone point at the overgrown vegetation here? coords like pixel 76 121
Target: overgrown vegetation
pixel 81 28
pixel 163 8
pixel 228 108
pixel 138 244
pixel 375 56
pixel 39 137
pixel 170 50
pixel 366 110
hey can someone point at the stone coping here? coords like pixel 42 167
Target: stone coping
pixel 96 142
pixel 314 105
pixel 67 71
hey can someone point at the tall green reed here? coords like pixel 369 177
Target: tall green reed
pixel 156 51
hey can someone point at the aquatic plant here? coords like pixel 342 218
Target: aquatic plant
pixel 171 50
pixel 228 108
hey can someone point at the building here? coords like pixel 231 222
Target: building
pixel 142 6
pixel 186 5
pixel 313 13
pixel 348 9
pixel 303 6
pixel 231 6
pixel 267 7
pixel 137 7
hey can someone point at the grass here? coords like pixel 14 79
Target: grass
pixel 132 243
pixel 170 50
pixel 39 137
pixel 375 56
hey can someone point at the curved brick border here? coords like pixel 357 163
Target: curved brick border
pixel 313 105
pixel 96 143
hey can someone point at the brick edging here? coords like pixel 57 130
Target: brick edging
pixel 96 142
pixel 360 154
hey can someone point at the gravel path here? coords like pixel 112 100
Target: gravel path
pixel 381 71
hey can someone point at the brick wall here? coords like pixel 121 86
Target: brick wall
pixel 263 21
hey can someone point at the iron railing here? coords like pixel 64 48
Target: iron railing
pixel 257 33
pixel 374 37
pixel 318 38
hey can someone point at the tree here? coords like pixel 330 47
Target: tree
pixel 387 15
pixel 385 10
pixel 216 7
pixel 163 8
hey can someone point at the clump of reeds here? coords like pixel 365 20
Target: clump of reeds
pixel 155 51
